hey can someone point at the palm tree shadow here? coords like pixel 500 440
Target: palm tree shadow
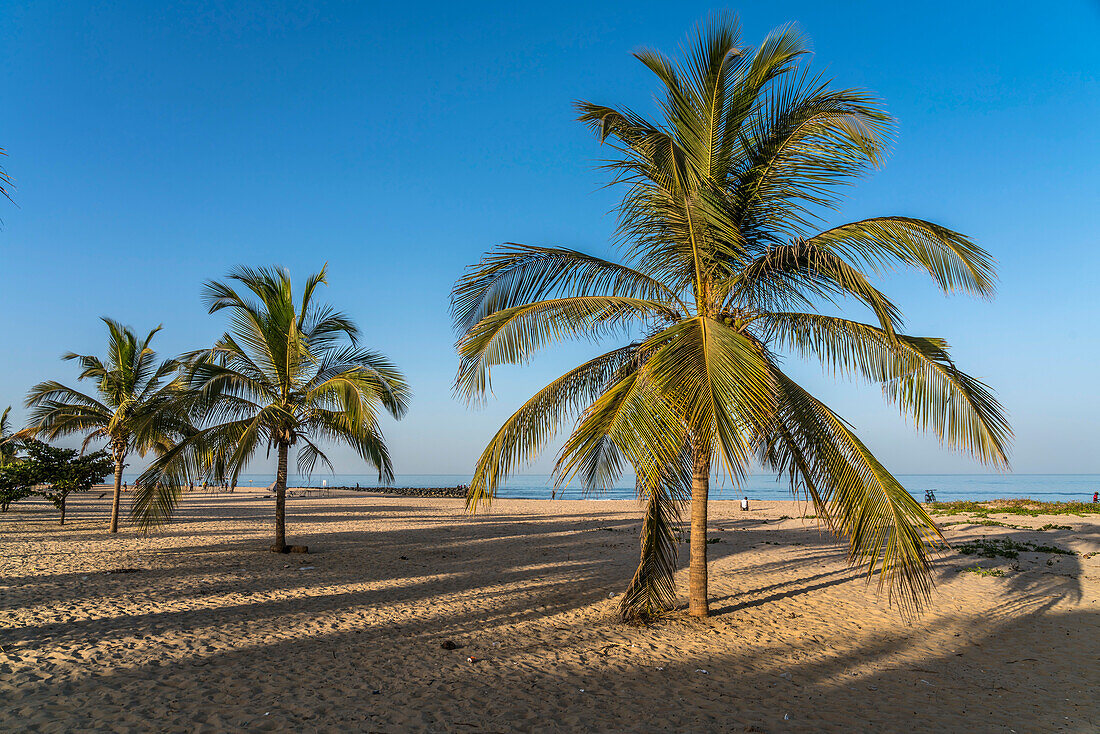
pixel 790 589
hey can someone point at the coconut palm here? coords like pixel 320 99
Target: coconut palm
pixel 284 376
pixel 135 409
pixel 7 446
pixel 724 274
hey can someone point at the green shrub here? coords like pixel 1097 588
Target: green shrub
pixel 1006 548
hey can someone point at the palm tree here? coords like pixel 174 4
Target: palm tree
pixel 724 273
pixel 135 408
pixel 284 375
pixel 7 446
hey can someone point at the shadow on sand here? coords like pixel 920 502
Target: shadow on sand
pixel 217 634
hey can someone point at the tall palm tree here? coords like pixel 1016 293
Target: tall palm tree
pixel 283 376
pixel 724 273
pixel 135 409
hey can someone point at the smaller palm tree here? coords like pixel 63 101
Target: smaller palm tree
pixel 285 375
pixel 7 446
pixel 136 408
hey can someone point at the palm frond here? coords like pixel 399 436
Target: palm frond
pixel 916 373
pixel 803 141
pixel 888 532
pixel 632 423
pixel 514 275
pixel 718 379
pixel 6 184
pixel 652 590
pixel 953 261
pixel 536 422
pixel 804 274
pixel 512 335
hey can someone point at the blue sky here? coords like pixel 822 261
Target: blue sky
pixel 156 146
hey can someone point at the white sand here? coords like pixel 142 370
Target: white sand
pixel 215 633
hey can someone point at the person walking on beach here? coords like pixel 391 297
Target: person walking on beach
pixel 1095 497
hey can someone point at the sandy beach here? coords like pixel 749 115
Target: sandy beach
pixel 208 631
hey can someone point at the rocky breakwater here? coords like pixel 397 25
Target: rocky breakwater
pixel 451 492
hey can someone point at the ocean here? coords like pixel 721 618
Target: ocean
pixel 1046 487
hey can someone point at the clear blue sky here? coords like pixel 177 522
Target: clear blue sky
pixel 155 147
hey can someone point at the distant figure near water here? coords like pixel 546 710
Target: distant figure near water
pixel 929 495
pixel 744 504
pixel 1095 497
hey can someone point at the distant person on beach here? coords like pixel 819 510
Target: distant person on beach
pixel 1095 497
pixel 929 495
pixel 744 504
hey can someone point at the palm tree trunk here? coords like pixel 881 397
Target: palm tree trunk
pixel 62 510
pixel 697 566
pixel 118 495
pixel 280 501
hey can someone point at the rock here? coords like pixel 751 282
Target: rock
pixel 449 645
pixel 425 492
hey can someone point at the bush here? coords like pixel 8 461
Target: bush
pixel 16 483
pixel 52 472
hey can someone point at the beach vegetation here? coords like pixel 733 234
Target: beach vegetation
pixel 1007 548
pixel 55 472
pixel 7 442
pixel 288 373
pixel 1018 506
pixel 728 267
pixel 984 522
pixel 134 407
pixel 16 483
pixel 978 570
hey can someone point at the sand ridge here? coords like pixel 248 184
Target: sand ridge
pixel 213 633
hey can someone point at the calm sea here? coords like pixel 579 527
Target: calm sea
pixel 1047 487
